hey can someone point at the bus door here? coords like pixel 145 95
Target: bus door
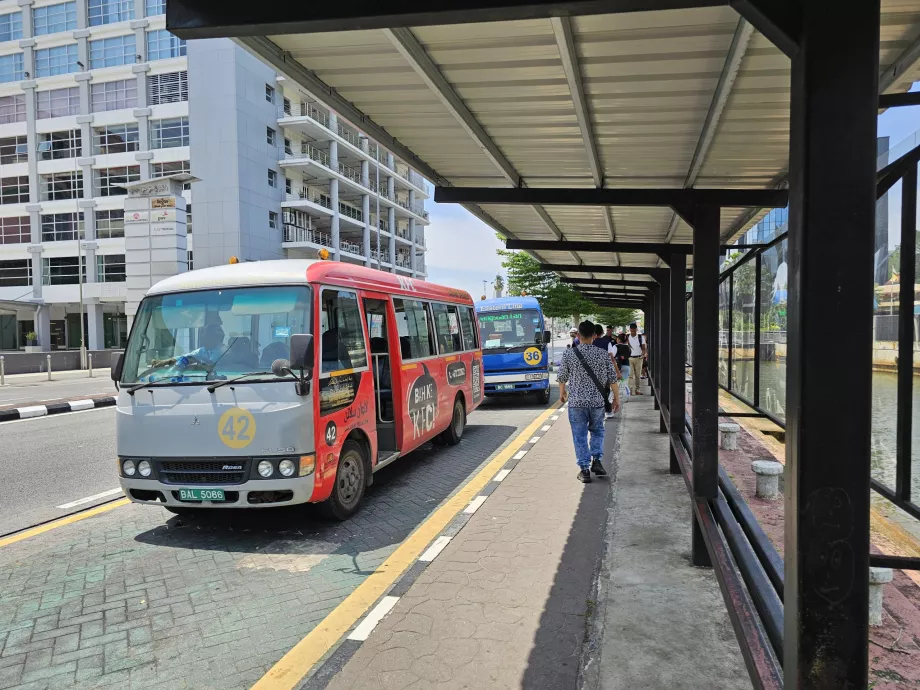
pixel 384 365
pixel 420 374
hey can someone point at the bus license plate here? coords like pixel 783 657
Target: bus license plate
pixel 504 386
pixel 201 495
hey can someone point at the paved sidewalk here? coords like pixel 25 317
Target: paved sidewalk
pixel 527 594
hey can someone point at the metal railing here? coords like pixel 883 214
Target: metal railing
pixel 383 225
pixel 304 194
pixel 348 135
pixel 403 261
pixel 307 151
pixel 350 211
pixel 304 109
pixel 416 179
pixel 352 174
pixel 351 247
pixel 295 234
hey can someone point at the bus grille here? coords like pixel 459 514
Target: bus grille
pixel 189 472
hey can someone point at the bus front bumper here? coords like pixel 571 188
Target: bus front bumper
pixel 261 493
pixel 509 383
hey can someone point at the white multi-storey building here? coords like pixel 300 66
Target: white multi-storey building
pixel 95 94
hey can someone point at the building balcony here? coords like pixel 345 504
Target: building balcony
pixel 309 199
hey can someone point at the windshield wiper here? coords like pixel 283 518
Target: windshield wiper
pixel 218 384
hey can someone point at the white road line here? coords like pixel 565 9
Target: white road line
pixel 69 414
pixel 81 405
pixel 433 550
pixel 501 475
pixel 33 411
pixel 554 417
pixel 475 504
pixel 363 631
pixel 519 455
pixel 546 428
pixel 90 499
pixel 534 439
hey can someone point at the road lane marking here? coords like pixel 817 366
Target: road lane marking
pixel 67 414
pixel 293 666
pixel 519 455
pixel 546 428
pixel 501 475
pixel 367 626
pixel 433 550
pixel 69 520
pixel 475 504
pixel 90 499
pixel 534 439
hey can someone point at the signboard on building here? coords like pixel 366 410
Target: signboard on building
pixel 137 216
pixel 167 215
pixel 163 202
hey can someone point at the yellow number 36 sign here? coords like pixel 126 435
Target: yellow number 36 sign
pixel 236 427
pixel 533 356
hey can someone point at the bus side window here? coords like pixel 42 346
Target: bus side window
pixel 342 333
pixel 470 333
pixel 415 336
pixel 445 321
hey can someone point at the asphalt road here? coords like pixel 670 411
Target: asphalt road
pixel 47 462
pixel 27 389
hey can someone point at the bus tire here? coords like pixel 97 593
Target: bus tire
pixel 350 482
pixel 543 396
pixel 453 433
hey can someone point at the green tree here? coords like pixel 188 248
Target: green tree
pixel 525 275
pixel 894 261
pixel 614 316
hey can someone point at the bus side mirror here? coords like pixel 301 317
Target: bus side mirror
pixel 547 337
pixel 301 351
pixel 117 365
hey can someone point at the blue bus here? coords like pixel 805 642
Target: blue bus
pixel 514 347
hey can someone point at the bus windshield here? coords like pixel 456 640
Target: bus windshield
pixel 505 330
pixel 211 335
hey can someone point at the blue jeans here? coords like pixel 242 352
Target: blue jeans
pixel 582 421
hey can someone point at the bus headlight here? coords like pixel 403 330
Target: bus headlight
pixel 307 463
pixel 286 468
pixel 144 468
pixel 266 469
pixel 127 467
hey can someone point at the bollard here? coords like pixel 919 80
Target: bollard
pixel 878 577
pixel 49 367
pixel 729 433
pixel 768 473
pixel 89 363
pixel 2 371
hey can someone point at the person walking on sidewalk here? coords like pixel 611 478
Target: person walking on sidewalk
pixel 637 353
pixel 585 375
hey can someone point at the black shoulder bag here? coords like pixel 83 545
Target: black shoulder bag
pixel 590 372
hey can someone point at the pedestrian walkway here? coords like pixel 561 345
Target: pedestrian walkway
pixel 552 584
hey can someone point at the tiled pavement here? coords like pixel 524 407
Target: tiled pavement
pixel 508 603
pixel 137 598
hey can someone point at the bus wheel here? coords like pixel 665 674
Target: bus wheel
pixel 350 480
pixel 454 432
pixel 543 396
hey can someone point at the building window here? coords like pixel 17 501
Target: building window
pixel 272 220
pixel 109 181
pixel 53 145
pixel 190 261
pixel 272 178
pixel 167 134
pixel 269 94
pixel 62 227
pixel 14 190
pixel 286 105
pixel 154 7
pixel 109 11
pixel 12 108
pixel 14 150
pixel 63 185
pixel 270 135
pixel 54 18
pixel 57 60
pixel 15 230
pixel 11 26
pixel 287 147
pixel 110 268
pixel 11 68
pixel 162 44
pixel 111 52
pixel 115 139
pixel 167 88
pixel 15 273
pixel 114 95
pixel 188 220
pixel 288 186
pixel 58 102
pixel 110 223
pixel 64 270
pixel 172 168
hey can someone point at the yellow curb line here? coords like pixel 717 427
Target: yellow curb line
pixel 69 520
pixel 294 665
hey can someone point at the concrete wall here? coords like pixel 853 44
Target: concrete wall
pixel 228 118
pixel 69 360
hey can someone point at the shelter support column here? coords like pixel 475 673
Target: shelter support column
pixel 677 346
pixel 832 201
pixel 705 366
pixel 653 349
pixel 663 336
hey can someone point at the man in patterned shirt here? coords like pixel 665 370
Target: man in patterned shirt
pixel 586 403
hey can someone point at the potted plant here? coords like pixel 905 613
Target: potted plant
pixel 32 342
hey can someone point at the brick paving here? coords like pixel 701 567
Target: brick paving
pixel 137 598
pixel 508 603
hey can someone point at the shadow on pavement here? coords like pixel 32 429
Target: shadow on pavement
pixel 555 659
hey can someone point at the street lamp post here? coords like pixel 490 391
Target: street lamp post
pixel 79 264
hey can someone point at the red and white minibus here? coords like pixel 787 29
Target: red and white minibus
pixel 273 383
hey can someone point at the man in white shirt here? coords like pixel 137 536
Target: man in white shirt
pixel 637 354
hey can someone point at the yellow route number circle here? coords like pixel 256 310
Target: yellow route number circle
pixel 533 356
pixel 236 427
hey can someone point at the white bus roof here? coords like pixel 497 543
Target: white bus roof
pixel 282 271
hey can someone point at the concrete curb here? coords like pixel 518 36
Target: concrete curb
pixel 56 408
pixel 329 667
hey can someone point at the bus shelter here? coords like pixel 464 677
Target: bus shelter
pixel 625 143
